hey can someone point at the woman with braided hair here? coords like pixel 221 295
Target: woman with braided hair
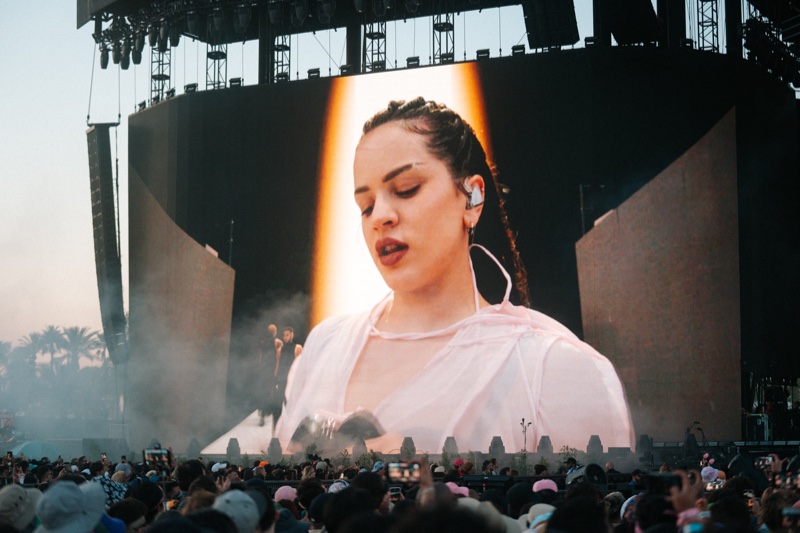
pixel 445 353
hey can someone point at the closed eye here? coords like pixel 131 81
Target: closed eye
pixel 367 211
pixel 408 193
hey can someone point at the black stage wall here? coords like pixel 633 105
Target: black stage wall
pixel 610 117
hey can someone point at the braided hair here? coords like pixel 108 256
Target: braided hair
pixel 453 141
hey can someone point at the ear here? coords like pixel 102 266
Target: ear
pixel 476 194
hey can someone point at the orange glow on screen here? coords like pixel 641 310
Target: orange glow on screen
pixel 344 278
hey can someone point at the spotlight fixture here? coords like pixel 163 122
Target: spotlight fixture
pixel 235 82
pixel 116 52
pixel 142 105
pixel 313 73
pixel 190 88
pixel 379 8
pixel 163 30
pixel 244 13
pixel 170 92
pixel 174 36
pixel 193 23
pixel 103 57
pixel 412 62
pixel 411 6
pixel 328 7
pixel 301 9
pixel 138 41
pixel 152 36
pixel 483 53
pixel 219 20
pixel 274 11
pixel 360 5
pixel 518 50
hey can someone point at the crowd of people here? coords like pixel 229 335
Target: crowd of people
pixel 81 496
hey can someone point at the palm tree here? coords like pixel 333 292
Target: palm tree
pixel 31 345
pixel 78 342
pixel 52 343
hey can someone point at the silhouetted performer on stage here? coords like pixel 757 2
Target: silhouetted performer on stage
pixel 268 351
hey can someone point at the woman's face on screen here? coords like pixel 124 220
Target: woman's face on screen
pixel 412 213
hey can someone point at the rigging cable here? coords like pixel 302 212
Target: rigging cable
pixel 91 85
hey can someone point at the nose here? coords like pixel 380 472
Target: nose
pixel 383 213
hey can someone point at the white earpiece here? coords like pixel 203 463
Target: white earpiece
pixel 475 196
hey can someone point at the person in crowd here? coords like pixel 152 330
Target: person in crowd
pixel 114 491
pixel 67 506
pixel 131 511
pixel 540 470
pixel 18 507
pixel 425 191
pixel 571 464
pixel 610 468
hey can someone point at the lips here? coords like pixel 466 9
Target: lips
pixel 390 251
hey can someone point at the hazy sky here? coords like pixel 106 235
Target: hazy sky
pixel 49 68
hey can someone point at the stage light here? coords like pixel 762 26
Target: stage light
pixel 360 5
pixel 411 6
pixel 687 43
pixel 170 92
pixel 103 57
pixel 235 82
pixel 345 69
pixel 328 7
pixel 174 36
pixel 142 105
pixel 116 52
pixel 138 41
pixel 193 23
pixel 244 14
pixel 283 76
pixel 156 99
pixel 136 56
pixel 412 62
pixel 219 20
pixel 274 11
pixel 152 36
pixel 518 50
pixel 321 14
pixel 389 4
pixel 379 8
pixel 313 73
pixel 190 88
pixel 163 30
pixel 590 41
pixel 483 53
pixel 301 9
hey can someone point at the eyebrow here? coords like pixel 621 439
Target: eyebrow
pixel 392 174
